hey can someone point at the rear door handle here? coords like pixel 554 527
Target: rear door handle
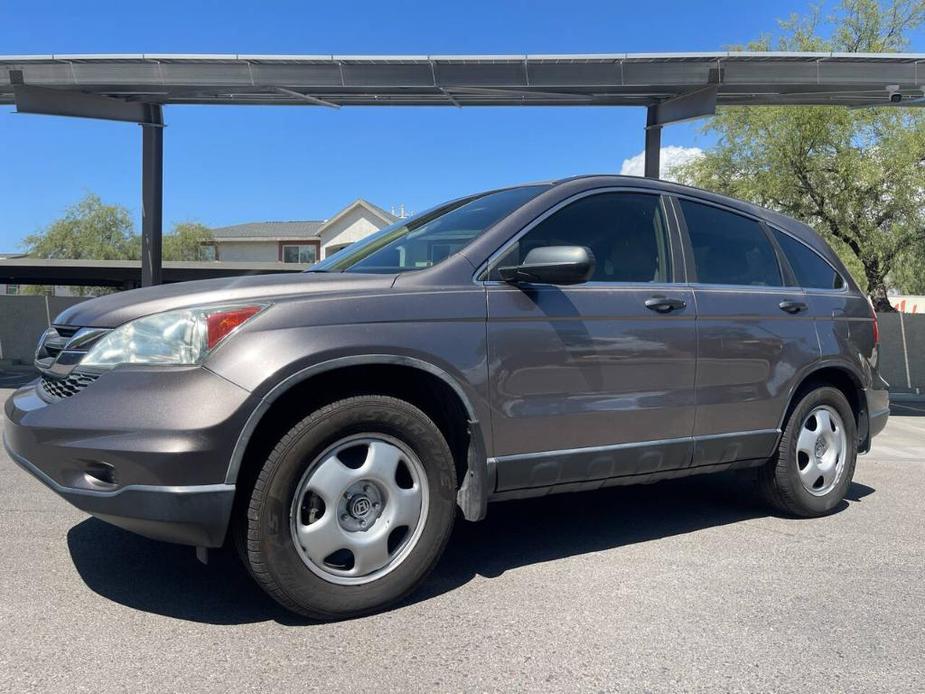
pixel 792 306
pixel 665 304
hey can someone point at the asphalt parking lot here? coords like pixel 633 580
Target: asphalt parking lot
pixel 680 586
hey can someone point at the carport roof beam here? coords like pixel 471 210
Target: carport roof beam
pixel 62 102
pixel 695 104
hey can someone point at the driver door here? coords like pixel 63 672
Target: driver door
pixel 587 382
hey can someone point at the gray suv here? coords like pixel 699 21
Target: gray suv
pixel 552 337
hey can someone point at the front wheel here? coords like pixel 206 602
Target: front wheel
pixel 352 509
pixel 812 470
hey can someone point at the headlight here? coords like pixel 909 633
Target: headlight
pixel 175 337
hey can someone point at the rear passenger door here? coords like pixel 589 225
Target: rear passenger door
pixel 587 381
pixel 754 333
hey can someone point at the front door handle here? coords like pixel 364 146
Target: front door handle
pixel 665 304
pixel 792 306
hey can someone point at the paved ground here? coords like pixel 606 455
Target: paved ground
pixel 680 586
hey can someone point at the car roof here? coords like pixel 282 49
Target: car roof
pixel 680 189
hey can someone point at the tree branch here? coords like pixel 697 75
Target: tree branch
pixel 819 201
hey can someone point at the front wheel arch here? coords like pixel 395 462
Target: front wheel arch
pixel 428 387
pixel 316 580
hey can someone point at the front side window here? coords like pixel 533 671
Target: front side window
pixel 430 237
pixel 729 248
pixel 812 272
pixel 300 253
pixel 626 232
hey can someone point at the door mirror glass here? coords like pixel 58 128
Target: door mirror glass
pixel 552 265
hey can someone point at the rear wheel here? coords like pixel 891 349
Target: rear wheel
pixel 814 464
pixel 352 508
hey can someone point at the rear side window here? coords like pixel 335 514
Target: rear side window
pixel 812 271
pixel 729 248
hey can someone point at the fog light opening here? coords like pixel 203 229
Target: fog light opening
pixel 99 473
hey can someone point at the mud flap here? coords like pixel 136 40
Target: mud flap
pixel 472 497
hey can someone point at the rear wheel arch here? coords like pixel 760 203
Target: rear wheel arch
pixel 812 469
pixel 430 388
pixel 845 380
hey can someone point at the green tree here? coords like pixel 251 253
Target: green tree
pixel 88 230
pixel 909 274
pixel 184 241
pixel 92 230
pixel 857 176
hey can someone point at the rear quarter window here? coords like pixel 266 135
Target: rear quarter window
pixel 811 270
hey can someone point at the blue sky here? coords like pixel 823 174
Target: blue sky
pixel 225 165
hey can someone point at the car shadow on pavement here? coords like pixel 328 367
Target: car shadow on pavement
pixel 519 533
pixel 166 579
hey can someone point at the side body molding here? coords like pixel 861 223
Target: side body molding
pixel 472 496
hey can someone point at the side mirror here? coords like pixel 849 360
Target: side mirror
pixel 552 265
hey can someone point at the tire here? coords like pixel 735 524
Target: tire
pixel 342 446
pixel 807 478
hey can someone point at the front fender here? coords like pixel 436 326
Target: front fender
pixel 437 331
pixel 472 496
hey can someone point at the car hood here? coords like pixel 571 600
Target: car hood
pixel 115 309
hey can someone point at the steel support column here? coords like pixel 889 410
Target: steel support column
pixel 653 142
pixel 152 196
pixel 694 104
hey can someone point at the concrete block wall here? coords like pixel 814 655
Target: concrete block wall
pixel 23 319
pixel 902 351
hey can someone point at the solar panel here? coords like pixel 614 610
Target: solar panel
pixel 487 80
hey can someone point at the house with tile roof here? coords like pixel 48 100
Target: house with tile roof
pixel 302 242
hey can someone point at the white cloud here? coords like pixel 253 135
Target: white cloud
pixel 671 157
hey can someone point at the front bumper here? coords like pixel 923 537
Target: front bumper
pixel 187 515
pixel 144 449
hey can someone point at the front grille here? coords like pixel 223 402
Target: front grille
pixel 57 389
pixel 53 343
pixel 67 330
pixel 61 348
pixel 55 340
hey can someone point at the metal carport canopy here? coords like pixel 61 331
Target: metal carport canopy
pixel 672 86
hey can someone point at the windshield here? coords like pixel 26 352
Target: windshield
pixel 428 238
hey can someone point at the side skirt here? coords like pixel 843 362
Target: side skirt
pixel 531 474
pixel 645 478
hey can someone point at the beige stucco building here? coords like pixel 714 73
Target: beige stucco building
pixel 297 241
